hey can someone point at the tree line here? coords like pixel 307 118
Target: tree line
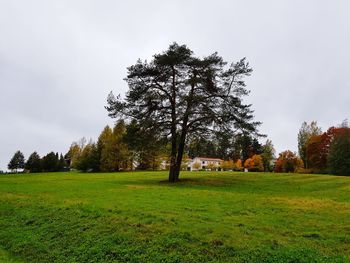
pixel 319 152
pixel 325 152
pixel 127 146
pixel 51 162
pixel 179 106
pixel 175 98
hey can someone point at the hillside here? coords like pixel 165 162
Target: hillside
pixel 209 216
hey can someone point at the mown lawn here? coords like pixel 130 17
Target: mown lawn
pixel 209 216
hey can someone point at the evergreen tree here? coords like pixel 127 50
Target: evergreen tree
pixel 145 147
pixel 61 165
pixel 179 95
pixel 33 163
pixel 339 153
pixel 268 155
pixel 94 158
pixel 50 162
pixel 245 146
pixel 224 145
pixel 17 161
pixel 202 147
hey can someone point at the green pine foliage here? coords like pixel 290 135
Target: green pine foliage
pixel 17 161
pixel 33 163
pixel 339 154
pixel 179 95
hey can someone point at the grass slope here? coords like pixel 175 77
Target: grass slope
pixel 138 217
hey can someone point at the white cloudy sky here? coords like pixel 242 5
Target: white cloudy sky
pixel 60 59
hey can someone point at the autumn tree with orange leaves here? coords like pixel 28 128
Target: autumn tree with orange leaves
pixel 318 147
pixel 254 164
pixel 288 162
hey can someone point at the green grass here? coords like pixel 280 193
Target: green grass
pixel 209 216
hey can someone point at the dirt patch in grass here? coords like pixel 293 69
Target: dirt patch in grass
pixel 311 204
pixel 12 196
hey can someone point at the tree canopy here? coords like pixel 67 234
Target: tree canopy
pixel 179 95
pixel 305 133
pixel 17 161
pixel 339 153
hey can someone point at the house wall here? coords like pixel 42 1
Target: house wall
pixel 203 163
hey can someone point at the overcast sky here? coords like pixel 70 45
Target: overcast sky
pixel 60 59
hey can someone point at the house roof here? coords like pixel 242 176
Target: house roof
pixel 209 159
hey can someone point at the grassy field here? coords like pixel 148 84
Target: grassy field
pixel 209 216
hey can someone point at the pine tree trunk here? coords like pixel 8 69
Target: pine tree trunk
pixel 180 150
pixel 172 169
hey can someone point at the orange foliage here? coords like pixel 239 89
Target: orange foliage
pixel 255 163
pixel 317 148
pixel 238 165
pixel 288 162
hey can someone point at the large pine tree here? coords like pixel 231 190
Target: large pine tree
pixel 178 95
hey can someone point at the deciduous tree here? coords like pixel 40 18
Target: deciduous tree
pixel 254 164
pixel 89 158
pixel 238 165
pixel 114 151
pixel 317 149
pixel 228 165
pixel 288 162
pixel 196 166
pixel 305 133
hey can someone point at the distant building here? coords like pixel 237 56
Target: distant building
pixel 196 164
pixel 205 163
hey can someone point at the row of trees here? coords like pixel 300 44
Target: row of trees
pixel 52 162
pixel 173 100
pixel 124 147
pixel 319 152
pixel 325 152
pixel 128 146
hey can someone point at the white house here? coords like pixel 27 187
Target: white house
pixel 197 163
pixel 205 163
